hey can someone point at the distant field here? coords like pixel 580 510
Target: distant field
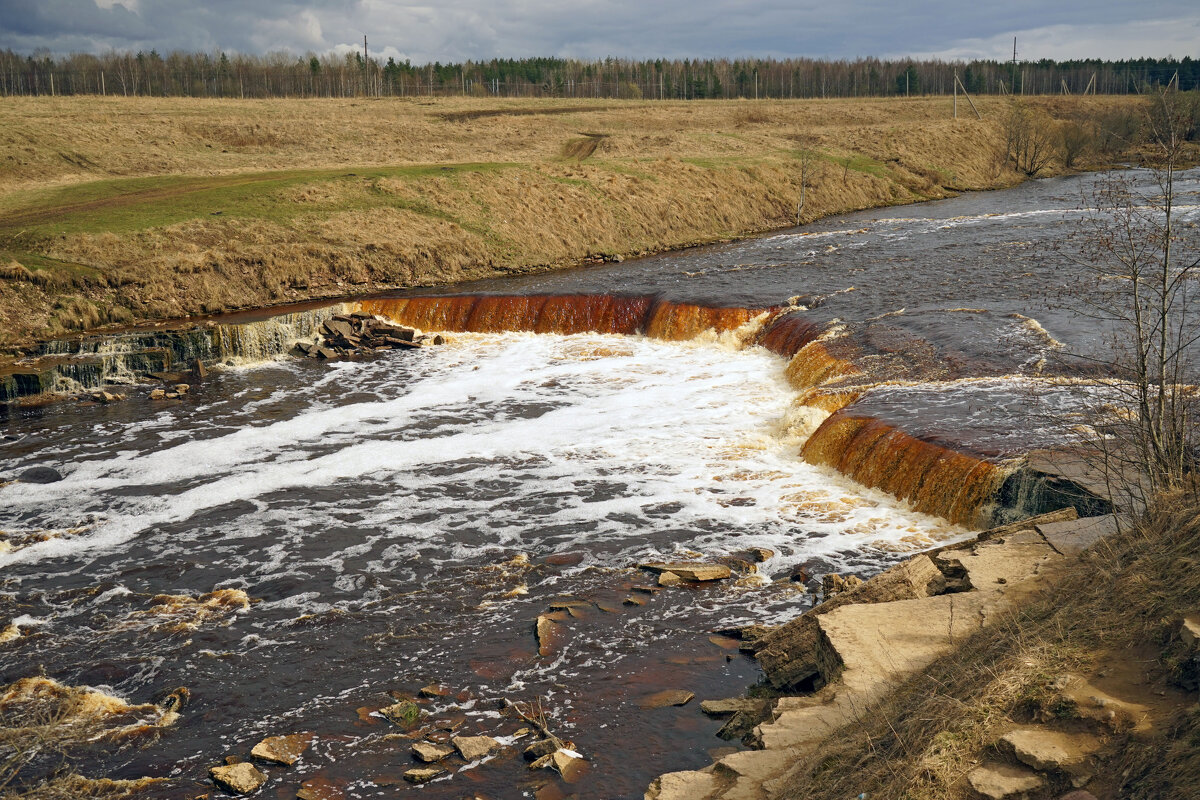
pixel 114 210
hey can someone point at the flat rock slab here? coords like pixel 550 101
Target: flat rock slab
pixel 1045 749
pixel 690 571
pixel 881 643
pixel 242 778
pixel 430 752
pixel 1004 781
pixel 1071 538
pixel 284 750
pixel 1012 559
pixel 667 697
pixel 683 786
pixel 804 722
pixel 422 774
pixel 474 747
pixel 731 706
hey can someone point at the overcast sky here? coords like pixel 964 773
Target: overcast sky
pixel 453 30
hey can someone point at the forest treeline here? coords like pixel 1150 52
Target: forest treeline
pixel 182 74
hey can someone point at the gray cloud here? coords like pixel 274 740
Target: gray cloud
pixel 453 30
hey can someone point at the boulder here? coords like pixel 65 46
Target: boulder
pixel 243 778
pixel 422 774
pixel 761 554
pixel 158 394
pixel 434 690
pixel 669 579
pixel 181 388
pixel 1004 781
pixel 430 752
pixel 284 750
pixel 473 748
pixel 667 697
pixel 40 475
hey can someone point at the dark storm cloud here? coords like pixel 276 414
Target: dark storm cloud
pixel 458 29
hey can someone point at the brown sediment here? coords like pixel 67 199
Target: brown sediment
pixel 933 479
pixel 562 314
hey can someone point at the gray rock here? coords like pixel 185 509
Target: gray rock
pixel 40 475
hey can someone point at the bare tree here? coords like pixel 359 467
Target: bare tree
pixel 1029 139
pixel 1145 259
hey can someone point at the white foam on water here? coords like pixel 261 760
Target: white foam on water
pixel 680 438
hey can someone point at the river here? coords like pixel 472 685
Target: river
pixel 403 519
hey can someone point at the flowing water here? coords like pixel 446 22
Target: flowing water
pixel 404 518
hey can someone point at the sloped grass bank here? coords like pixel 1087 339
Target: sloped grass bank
pixel 1112 617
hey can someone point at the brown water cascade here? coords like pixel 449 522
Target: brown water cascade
pixel 933 478
pixel 958 486
pixel 562 314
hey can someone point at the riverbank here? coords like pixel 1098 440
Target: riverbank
pixel 1040 687
pixel 120 210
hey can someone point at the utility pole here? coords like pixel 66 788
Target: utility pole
pixel 1014 68
pixel 365 62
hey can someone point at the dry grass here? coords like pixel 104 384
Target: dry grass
pixel 1116 610
pixel 150 208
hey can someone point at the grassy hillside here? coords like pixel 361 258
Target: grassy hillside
pixel 114 210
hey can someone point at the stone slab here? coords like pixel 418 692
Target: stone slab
pixel 1072 538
